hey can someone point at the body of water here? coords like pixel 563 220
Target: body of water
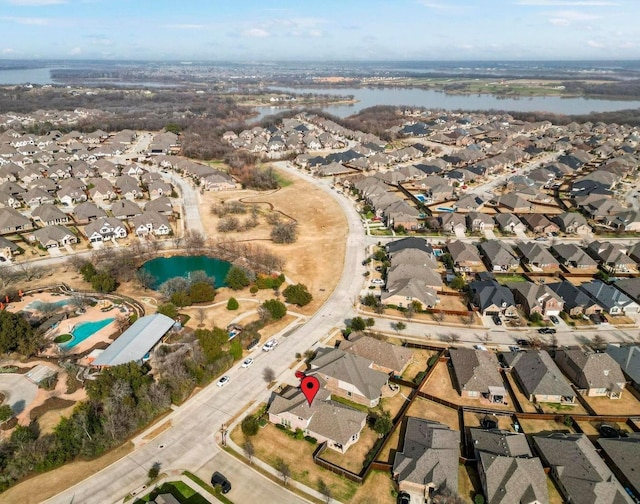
pixel 84 330
pixel 434 99
pixel 164 268
pixel 25 76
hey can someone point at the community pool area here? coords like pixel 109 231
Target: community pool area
pixel 84 330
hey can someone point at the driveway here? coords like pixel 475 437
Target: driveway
pixel 460 234
pixel 19 392
pixel 246 483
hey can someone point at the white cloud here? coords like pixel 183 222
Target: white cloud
pixel 568 3
pixel 75 51
pixel 8 50
pixel 26 20
pixel 36 3
pixel 185 26
pixel 566 18
pixel 256 33
pixel 595 44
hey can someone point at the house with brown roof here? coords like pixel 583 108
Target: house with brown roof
pixel 477 374
pixel 49 215
pixel 594 374
pixel 539 224
pixel 388 358
pixel 537 257
pixel 349 375
pixel 326 420
pixel 536 298
pixel 465 255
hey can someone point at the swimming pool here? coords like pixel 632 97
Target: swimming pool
pixel 421 198
pixel 84 330
pixel 37 304
pixel 445 209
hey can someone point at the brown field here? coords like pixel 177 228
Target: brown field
pixel 626 405
pixel 554 494
pixel 440 385
pixel 317 257
pixel 418 363
pixel 525 404
pixel 591 428
pixel 44 486
pixel 355 455
pixel 468 482
pixel 472 420
pixel 391 446
pixel 535 426
pixel 423 408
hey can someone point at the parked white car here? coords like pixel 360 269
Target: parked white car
pixel 269 345
pixel 247 362
pixel 377 281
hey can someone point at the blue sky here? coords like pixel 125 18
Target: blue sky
pixel 252 30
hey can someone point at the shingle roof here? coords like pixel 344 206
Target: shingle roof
pixel 476 370
pixel 383 354
pixel 588 369
pixel 625 454
pixel 539 375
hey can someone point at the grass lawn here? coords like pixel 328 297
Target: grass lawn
pixel 554 494
pixel 394 403
pixel 376 489
pixel 468 482
pixel 391 446
pixel 503 279
pixel 418 363
pixel 626 405
pixel 182 492
pixel 423 408
pixel 564 409
pixel 355 455
pixel 537 426
pixel 271 443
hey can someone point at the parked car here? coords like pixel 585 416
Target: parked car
pixel 497 320
pixel 554 320
pixel 404 498
pixel 223 381
pixel 598 318
pixel 247 362
pixel 219 479
pixel 377 281
pixel 269 345
pixel 547 330
pixel 523 342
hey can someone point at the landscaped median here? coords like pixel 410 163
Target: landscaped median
pixel 187 488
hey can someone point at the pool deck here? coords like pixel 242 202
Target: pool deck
pixel 92 314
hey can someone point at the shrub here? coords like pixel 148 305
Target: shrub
pixel 299 434
pixel 202 292
pixel 311 439
pixel 250 425
pixel 237 278
pixel 419 377
pixel 284 232
pixel 254 289
pixel 275 308
pixel 297 294
pixel 232 304
pixel 168 309
pixel 281 427
pixel 63 338
pixel 269 282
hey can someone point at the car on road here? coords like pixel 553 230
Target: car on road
pixel 219 480
pixel 247 362
pixel 547 330
pixel 523 342
pixel 269 345
pixel 223 381
pixel 377 281
pixel 554 320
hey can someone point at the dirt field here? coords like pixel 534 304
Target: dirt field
pixel 316 258
pixel 354 458
pixel 430 410
pixel 472 420
pixel 525 404
pixel 536 426
pixel 44 486
pixel 418 363
pixel 626 405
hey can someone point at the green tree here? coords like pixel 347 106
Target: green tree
pixel 535 317
pixel 88 271
pixel 181 298
pixel 212 341
pixel 250 425
pixel 168 309
pixel 154 471
pixel 458 283
pixel 383 423
pixel 5 412
pixel 232 304
pixel 398 326
pixel 370 300
pixel 173 128
pixel 202 292
pixel 103 282
pixel 236 349
pixel 297 294
pixel 237 278
pixel 357 324
pixel 16 334
pixel 275 308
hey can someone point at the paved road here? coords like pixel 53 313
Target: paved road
pixel 189 444
pixel 19 391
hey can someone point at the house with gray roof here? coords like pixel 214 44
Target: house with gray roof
pixel 100 189
pixel 537 257
pixel 465 255
pixel 326 420
pixel 628 358
pixel 538 223
pixel 576 302
pixel 428 461
pixel 405 290
pixel 536 298
pixel 386 357
pixel 612 300
pixel 540 379
pixel 612 256
pixel 49 215
pixel 105 228
pixel 151 223
pixel 511 201
pixel 508 470
pixel 622 455
pixel 349 375
pixel 8 249
pixel 125 209
pixel 510 223
pixel 572 256
pixel 572 223
pixel 593 374
pixel 12 221
pixel 54 236
pixel 498 256
pixel 450 222
pixel 477 221
pixel 87 212
pixel 493 298
pixel 477 374
pixel 161 205
pixel 579 472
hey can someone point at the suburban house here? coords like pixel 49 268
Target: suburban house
pixel 612 300
pixel 537 257
pixel 511 201
pixel 576 301
pixel 87 212
pixel 151 223
pixel 498 256
pixel 125 209
pixel 464 255
pixel 572 223
pixel 7 249
pixel 452 222
pixel 630 286
pixel 493 298
pixel 326 420
pixel 539 224
pixel 161 205
pixel 510 223
pixel 593 374
pixel 54 236
pixel 572 256
pixel 408 243
pixel 477 221
pixel 622 455
pixel 477 374
pixel 12 221
pixel 428 461
pixel 105 228
pixel 388 358
pixel 536 298
pixel 508 470
pixel 412 277
pixel 49 215
pixel 628 358
pixel 101 189
pixel 612 256
pixel 579 472
pixel 539 377
pixel 349 375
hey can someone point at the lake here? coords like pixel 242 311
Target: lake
pixel 164 268
pixel 39 76
pixel 429 98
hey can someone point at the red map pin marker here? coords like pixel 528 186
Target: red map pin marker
pixel 310 386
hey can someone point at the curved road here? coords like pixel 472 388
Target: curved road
pixel 190 443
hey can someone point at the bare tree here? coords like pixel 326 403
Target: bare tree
pixel 285 232
pixel 202 315
pixel 438 316
pixel 122 322
pixel 268 374
pixel 398 326
pixel 410 311
pixel 598 343
pixel 145 278
pixel 453 338
pixel 249 450
pixel 194 242
pixel 283 468
pixel 30 271
pixel 228 224
pixel 325 490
